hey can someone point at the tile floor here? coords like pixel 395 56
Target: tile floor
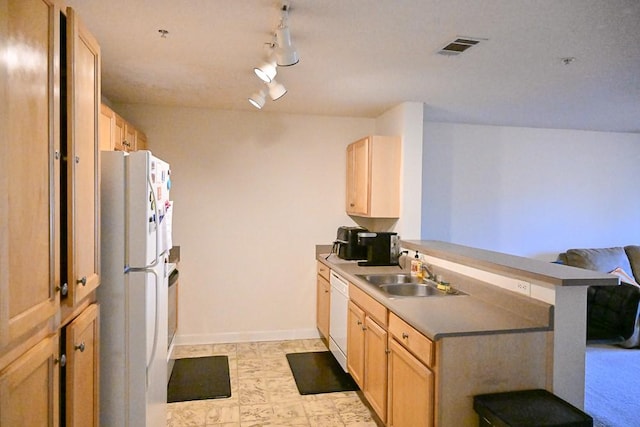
pixel 264 393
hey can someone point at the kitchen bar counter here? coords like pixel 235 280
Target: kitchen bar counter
pixel 438 317
pixel 514 266
pixel 473 314
pixel 533 339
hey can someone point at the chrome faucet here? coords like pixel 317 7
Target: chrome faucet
pixel 429 275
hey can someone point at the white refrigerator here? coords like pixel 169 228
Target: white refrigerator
pixel 135 241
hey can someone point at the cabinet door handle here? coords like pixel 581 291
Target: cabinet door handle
pixel 405 335
pixel 77 159
pixel 64 289
pixel 83 280
pixel 62 360
pixel 359 323
pixel 79 347
pixel 326 291
pixel 364 328
pixel 352 204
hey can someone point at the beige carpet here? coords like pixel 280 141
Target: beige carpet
pixel 612 386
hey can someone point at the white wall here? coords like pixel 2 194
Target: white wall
pixel 406 120
pixel 254 193
pixel 530 192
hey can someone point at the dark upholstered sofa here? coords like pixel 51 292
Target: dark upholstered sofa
pixel 612 311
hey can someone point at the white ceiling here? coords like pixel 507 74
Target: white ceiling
pixel 361 57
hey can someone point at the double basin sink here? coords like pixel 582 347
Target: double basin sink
pixel 405 285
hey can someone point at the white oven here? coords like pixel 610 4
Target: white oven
pixel 338 324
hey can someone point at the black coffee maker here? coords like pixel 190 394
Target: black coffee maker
pixel 382 248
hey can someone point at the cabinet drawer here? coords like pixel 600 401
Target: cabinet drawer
pixel 421 346
pixel 323 270
pixel 373 308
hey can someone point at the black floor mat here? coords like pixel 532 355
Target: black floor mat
pixel 319 372
pixel 199 378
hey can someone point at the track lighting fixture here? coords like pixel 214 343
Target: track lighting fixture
pixel 276 90
pixel 258 99
pixel 281 53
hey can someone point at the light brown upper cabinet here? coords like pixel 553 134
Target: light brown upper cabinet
pixel 82 196
pixel 129 142
pixel 111 130
pixel 373 177
pixel 30 164
pixel 141 140
pixel 117 134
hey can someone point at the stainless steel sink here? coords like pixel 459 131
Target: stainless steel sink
pixel 411 290
pixel 405 285
pixel 389 279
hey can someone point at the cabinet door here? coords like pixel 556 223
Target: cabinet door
pixel 411 398
pixel 141 140
pixel 358 177
pixel 107 131
pixel 323 298
pixel 355 343
pixel 129 137
pixel 118 131
pixel 375 367
pixel 83 355
pixel 30 167
pixel 83 110
pixel 29 387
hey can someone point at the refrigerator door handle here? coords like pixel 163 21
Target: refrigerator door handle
pixel 156 317
pixel 156 219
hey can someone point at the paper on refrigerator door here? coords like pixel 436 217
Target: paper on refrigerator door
pixel 168 224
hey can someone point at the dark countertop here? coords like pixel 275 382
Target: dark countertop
pixel 174 254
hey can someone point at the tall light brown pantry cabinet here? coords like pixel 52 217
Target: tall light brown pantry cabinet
pixel 49 216
pixel 373 177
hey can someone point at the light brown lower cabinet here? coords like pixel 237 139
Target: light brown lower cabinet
pixel 411 389
pixel 355 343
pixel 367 357
pixel 323 301
pixel 375 367
pixel 29 387
pixel 82 352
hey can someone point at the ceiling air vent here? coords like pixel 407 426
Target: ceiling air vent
pixel 459 45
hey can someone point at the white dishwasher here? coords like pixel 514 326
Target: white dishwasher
pixel 338 321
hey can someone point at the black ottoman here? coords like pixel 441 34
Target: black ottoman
pixel 528 408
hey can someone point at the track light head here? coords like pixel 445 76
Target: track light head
pixel 257 99
pixel 286 54
pixel 276 90
pixel 266 71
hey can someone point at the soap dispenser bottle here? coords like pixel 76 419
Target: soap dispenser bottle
pixel 416 266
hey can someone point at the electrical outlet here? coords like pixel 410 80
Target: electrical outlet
pixel 523 287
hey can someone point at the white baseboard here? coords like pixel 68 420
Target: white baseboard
pixel 235 337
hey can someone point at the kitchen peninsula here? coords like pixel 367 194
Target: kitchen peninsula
pixel 520 325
